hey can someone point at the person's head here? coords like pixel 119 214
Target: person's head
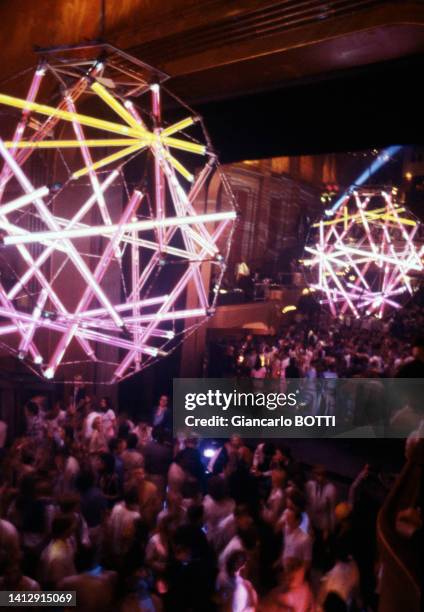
pixel 195 515
pixel 342 512
pixel 278 478
pixel 105 463
pixel 78 380
pixel 68 503
pixel 190 489
pixel 32 409
pixel 84 480
pixel 163 401
pixel 418 348
pixel 27 456
pixel 71 408
pixel 296 499
pixel 268 450
pixel 40 400
pixel 97 424
pixel 248 537
pixel 67 434
pixel 116 445
pixel 292 518
pixel 283 454
pixel 235 562
pixel 60 457
pixel 131 498
pixel 58 407
pixel 235 443
pixel 132 441
pixel 191 442
pixel 105 404
pixel 62 527
pixel 319 474
pixel 243 518
pixel 217 488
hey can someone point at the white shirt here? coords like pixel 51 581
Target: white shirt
pixel 108 420
pixel 342 579
pixel 321 504
pixel 297 544
pixel 222 534
pixel 88 427
pixel 215 512
pixel 121 527
pixel 57 561
pixel 234 544
pixel 284 364
pixel 274 505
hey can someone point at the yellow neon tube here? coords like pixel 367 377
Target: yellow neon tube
pixel 116 106
pixel 176 127
pixel 43 109
pixel 184 145
pixel 109 159
pixel 370 214
pixel 400 220
pixel 178 166
pixel 52 144
pixel 147 138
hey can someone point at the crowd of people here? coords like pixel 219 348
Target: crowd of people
pixel 132 519
pixel 329 348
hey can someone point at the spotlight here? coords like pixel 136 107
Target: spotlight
pixel 56 187
pixel 209 452
pixel 377 163
pixel 48 314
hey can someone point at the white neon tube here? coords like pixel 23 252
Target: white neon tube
pixel 110 229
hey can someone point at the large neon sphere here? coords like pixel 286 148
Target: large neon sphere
pixel 365 259
pixel 108 241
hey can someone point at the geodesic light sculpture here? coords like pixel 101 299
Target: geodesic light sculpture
pixel 363 259
pixel 115 216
